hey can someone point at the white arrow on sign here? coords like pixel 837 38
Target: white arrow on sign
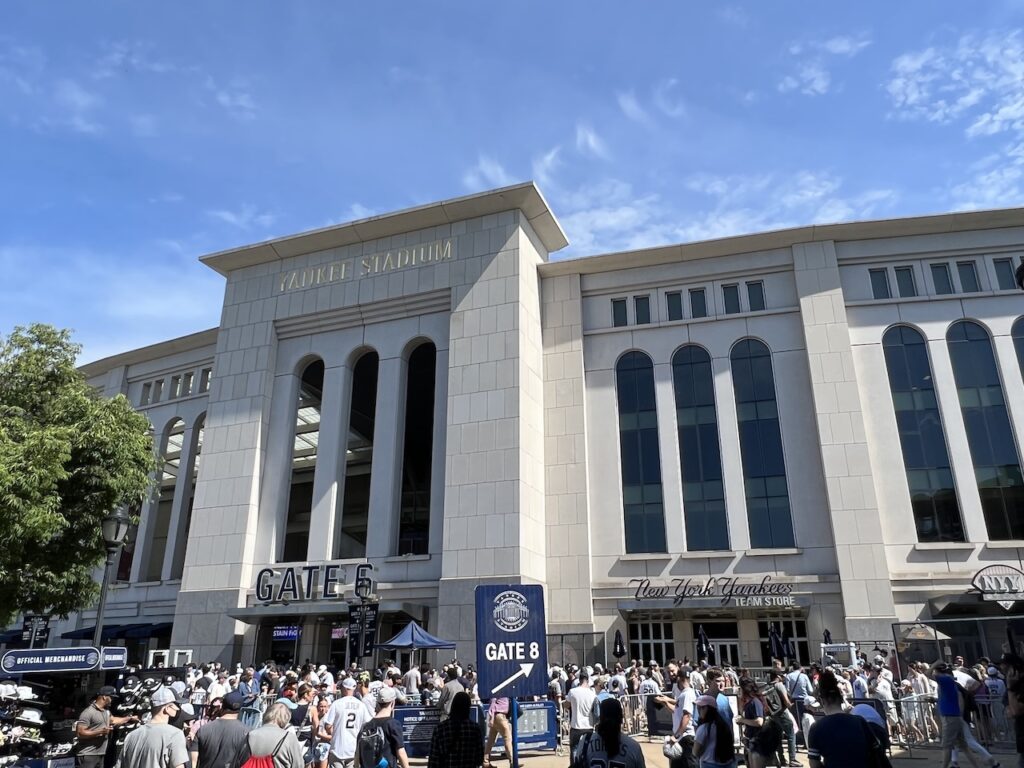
pixel 524 671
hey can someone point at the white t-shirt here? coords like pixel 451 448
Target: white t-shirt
pixel 346 716
pixel 649 686
pixel 581 702
pixel 684 704
pixel 412 681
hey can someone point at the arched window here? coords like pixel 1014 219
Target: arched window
pixel 160 510
pixel 993 450
pixel 642 505
pixel 127 554
pixel 764 466
pixel 699 455
pixel 178 563
pixel 929 477
pixel 355 507
pixel 1017 332
pixel 307 438
pixel 414 517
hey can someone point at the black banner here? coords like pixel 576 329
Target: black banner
pixel 362 629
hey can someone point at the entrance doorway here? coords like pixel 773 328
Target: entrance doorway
pixel 726 652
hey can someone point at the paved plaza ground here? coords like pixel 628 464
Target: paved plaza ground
pixel 921 758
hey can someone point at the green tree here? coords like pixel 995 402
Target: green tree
pixel 68 457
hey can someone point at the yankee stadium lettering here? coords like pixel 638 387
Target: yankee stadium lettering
pixel 725 588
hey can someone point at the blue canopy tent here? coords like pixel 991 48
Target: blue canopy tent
pixel 415 638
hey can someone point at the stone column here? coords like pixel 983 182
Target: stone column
pixel 436 530
pixel 277 477
pixel 385 477
pixel 177 533
pixel 732 459
pixel 668 446
pixel 329 479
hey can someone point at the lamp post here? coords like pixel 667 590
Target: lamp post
pixel 115 529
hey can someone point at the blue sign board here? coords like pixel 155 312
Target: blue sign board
pixel 50 660
pixel 286 633
pixel 511 640
pixel 114 657
pixel 537 726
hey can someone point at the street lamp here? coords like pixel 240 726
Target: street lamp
pixel 115 529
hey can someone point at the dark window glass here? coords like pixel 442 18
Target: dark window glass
pixel 755 296
pixel 703 492
pixel 1004 274
pixel 968 276
pixel 643 510
pixel 160 509
pixel 764 468
pixel 880 283
pixel 1017 332
pixel 355 507
pixel 941 278
pixel 619 312
pixel 905 282
pixel 698 303
pixel 675 306
pixel 414 517
pixel 642 309
pixel 731 295
pixel 929 477
pixel 304 450
pixel 993 450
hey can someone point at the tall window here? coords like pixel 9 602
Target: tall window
pixel 651 641
pixel 703 492
pixel 929 477
pixel 160 511
pixel 641 460
pixel 764 468
pixel 789 628
pixel 355 506
pixel 993 450
pixel 304 448
pixel 127 554
pixel 414 515
pixel 1017 332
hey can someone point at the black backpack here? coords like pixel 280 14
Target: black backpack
pixel 371 746
pixel 773 705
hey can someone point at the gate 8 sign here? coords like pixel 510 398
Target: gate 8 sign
pixel 511 640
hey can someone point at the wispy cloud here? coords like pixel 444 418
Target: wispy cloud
pixel 129 56
pixel 666 100
pixel 545 165
pixel 733 15
pixel 234 98
pixel 246 217
pixel 166 197
pixel 22 65
pixel 589 142
pixel 76 106
pixel 144 126
pixel 812 79
pixel 631 107
pixel 487 172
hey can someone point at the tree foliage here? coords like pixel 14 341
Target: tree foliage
pixel 68 457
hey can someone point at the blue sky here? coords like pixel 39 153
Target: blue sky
pixel 136 137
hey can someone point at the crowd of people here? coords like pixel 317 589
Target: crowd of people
pixel 274 717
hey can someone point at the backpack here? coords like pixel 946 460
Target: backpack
pixel 263 761
pixel 371 743
pixel 773 705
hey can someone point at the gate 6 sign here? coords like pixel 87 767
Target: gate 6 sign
pixel 511 642
pixel 1002 583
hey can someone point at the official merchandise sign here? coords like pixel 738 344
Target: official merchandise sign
pixel 511 640
pixel 50 660
pixel 114 657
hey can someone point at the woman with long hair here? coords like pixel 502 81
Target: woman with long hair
pixel 608 744
pixel 762 736
pixel 714 745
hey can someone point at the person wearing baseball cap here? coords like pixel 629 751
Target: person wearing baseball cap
pixel 94 726
pixel 382 735
pixel 220 740
pixel 342 723
pixel 157 744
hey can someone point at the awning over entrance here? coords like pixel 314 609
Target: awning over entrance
pixel 110 632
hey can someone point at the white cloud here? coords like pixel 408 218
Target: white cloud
pixel 23 66
pixel 235 98
pixel 734 15
pixel 812 79
pixel 544 167
pixel 144 126
pixel 69 94
pixel 664 99
pixel 166 197
pixel 845 45
pixel 588 141
pixel 486 174
pixel 631 107
pixel 246 217
pixel 126 56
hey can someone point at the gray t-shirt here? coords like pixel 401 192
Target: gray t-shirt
pixel 219 742
pixel 154 745
pixel 93 717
